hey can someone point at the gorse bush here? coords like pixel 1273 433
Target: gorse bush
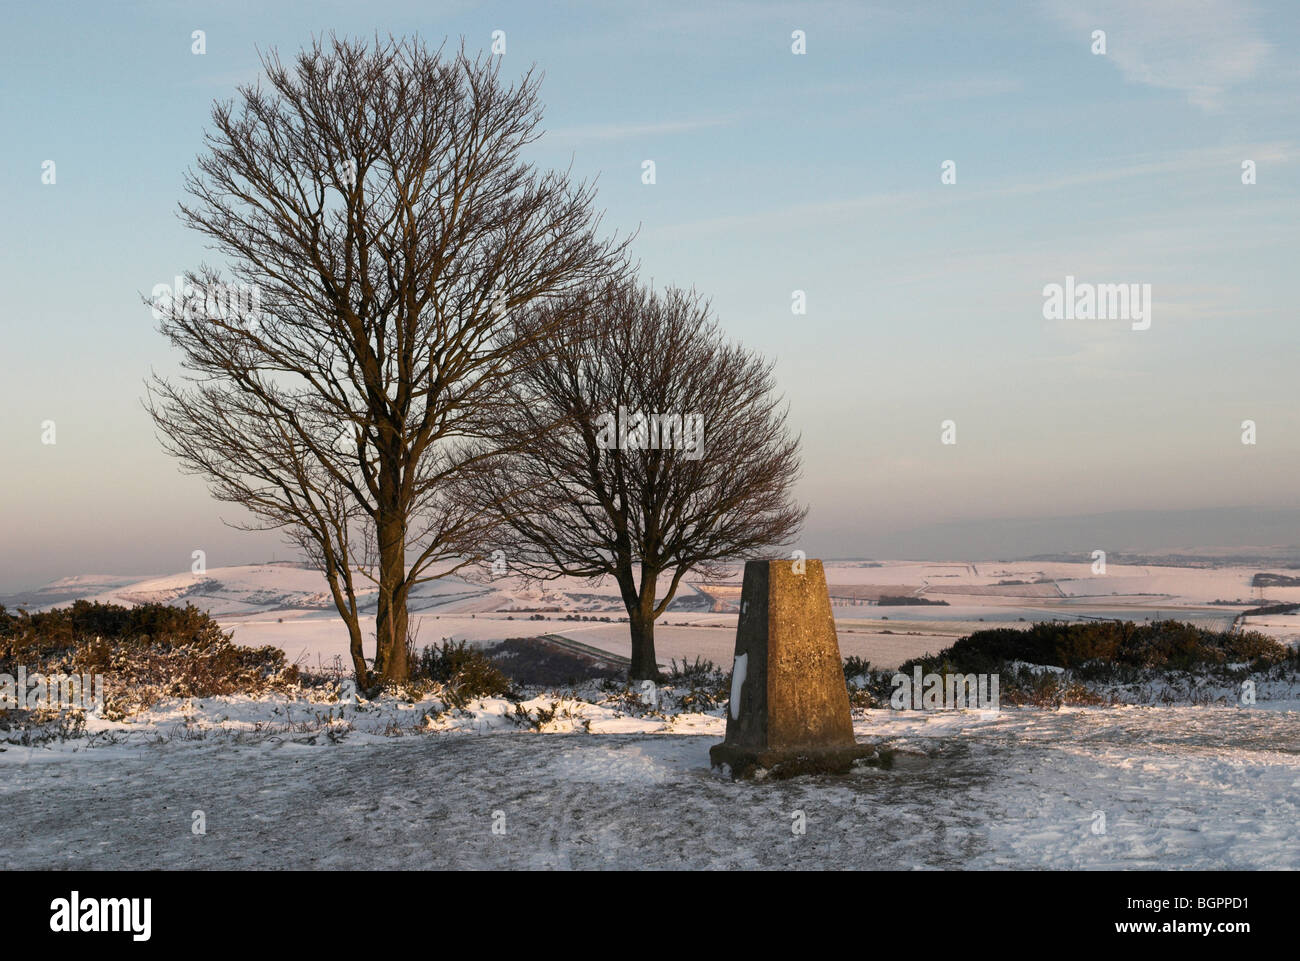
pixel 62 628
pixel 701 670
pixel 1107 645
pixel 707 686
pixel 855 666
pixel 465 671
pixel 144 653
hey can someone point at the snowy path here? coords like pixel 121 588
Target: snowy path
pixel 1179 787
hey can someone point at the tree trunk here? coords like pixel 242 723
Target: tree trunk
pixel 390 610
pixel 390 632
pixel 346 608
pixel 645 666
pixel 358 656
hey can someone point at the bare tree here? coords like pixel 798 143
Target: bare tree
pixel 639 445
pixel 375 203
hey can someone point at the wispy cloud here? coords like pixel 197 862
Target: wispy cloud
pixel 707 21
pixel 962 88
pixel 1199 49
pixel 1227 159
pixel 633 131
pixel 1187 161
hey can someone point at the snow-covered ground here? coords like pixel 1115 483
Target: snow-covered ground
pixel 1029 788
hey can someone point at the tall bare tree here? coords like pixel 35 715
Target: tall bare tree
pixel 373 198
pixel 639 445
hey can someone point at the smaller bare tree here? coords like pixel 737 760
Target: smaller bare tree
pixel 641 446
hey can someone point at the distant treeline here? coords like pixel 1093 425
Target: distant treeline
pixel 1270 609
pixel 1274 580
pixel 1169 560
pixel 907 600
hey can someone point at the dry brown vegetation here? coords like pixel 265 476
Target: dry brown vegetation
pixel 144 653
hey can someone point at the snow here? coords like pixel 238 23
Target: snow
pixel 1205 788
pixel 739 670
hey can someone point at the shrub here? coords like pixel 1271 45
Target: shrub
pixel 701 670
pixel 466 671
pixel 707 685
pixel 1107 646
pixel 25 637
pixel 855 666
pixel 145 653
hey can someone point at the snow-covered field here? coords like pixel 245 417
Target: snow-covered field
pixel 288 606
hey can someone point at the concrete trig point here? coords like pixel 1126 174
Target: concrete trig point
pixel 789 707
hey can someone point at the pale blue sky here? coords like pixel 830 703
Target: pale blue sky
pixel 775 172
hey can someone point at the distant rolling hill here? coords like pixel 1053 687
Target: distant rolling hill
pixel 286 586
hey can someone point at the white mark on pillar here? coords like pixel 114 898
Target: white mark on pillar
pixel 738 668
